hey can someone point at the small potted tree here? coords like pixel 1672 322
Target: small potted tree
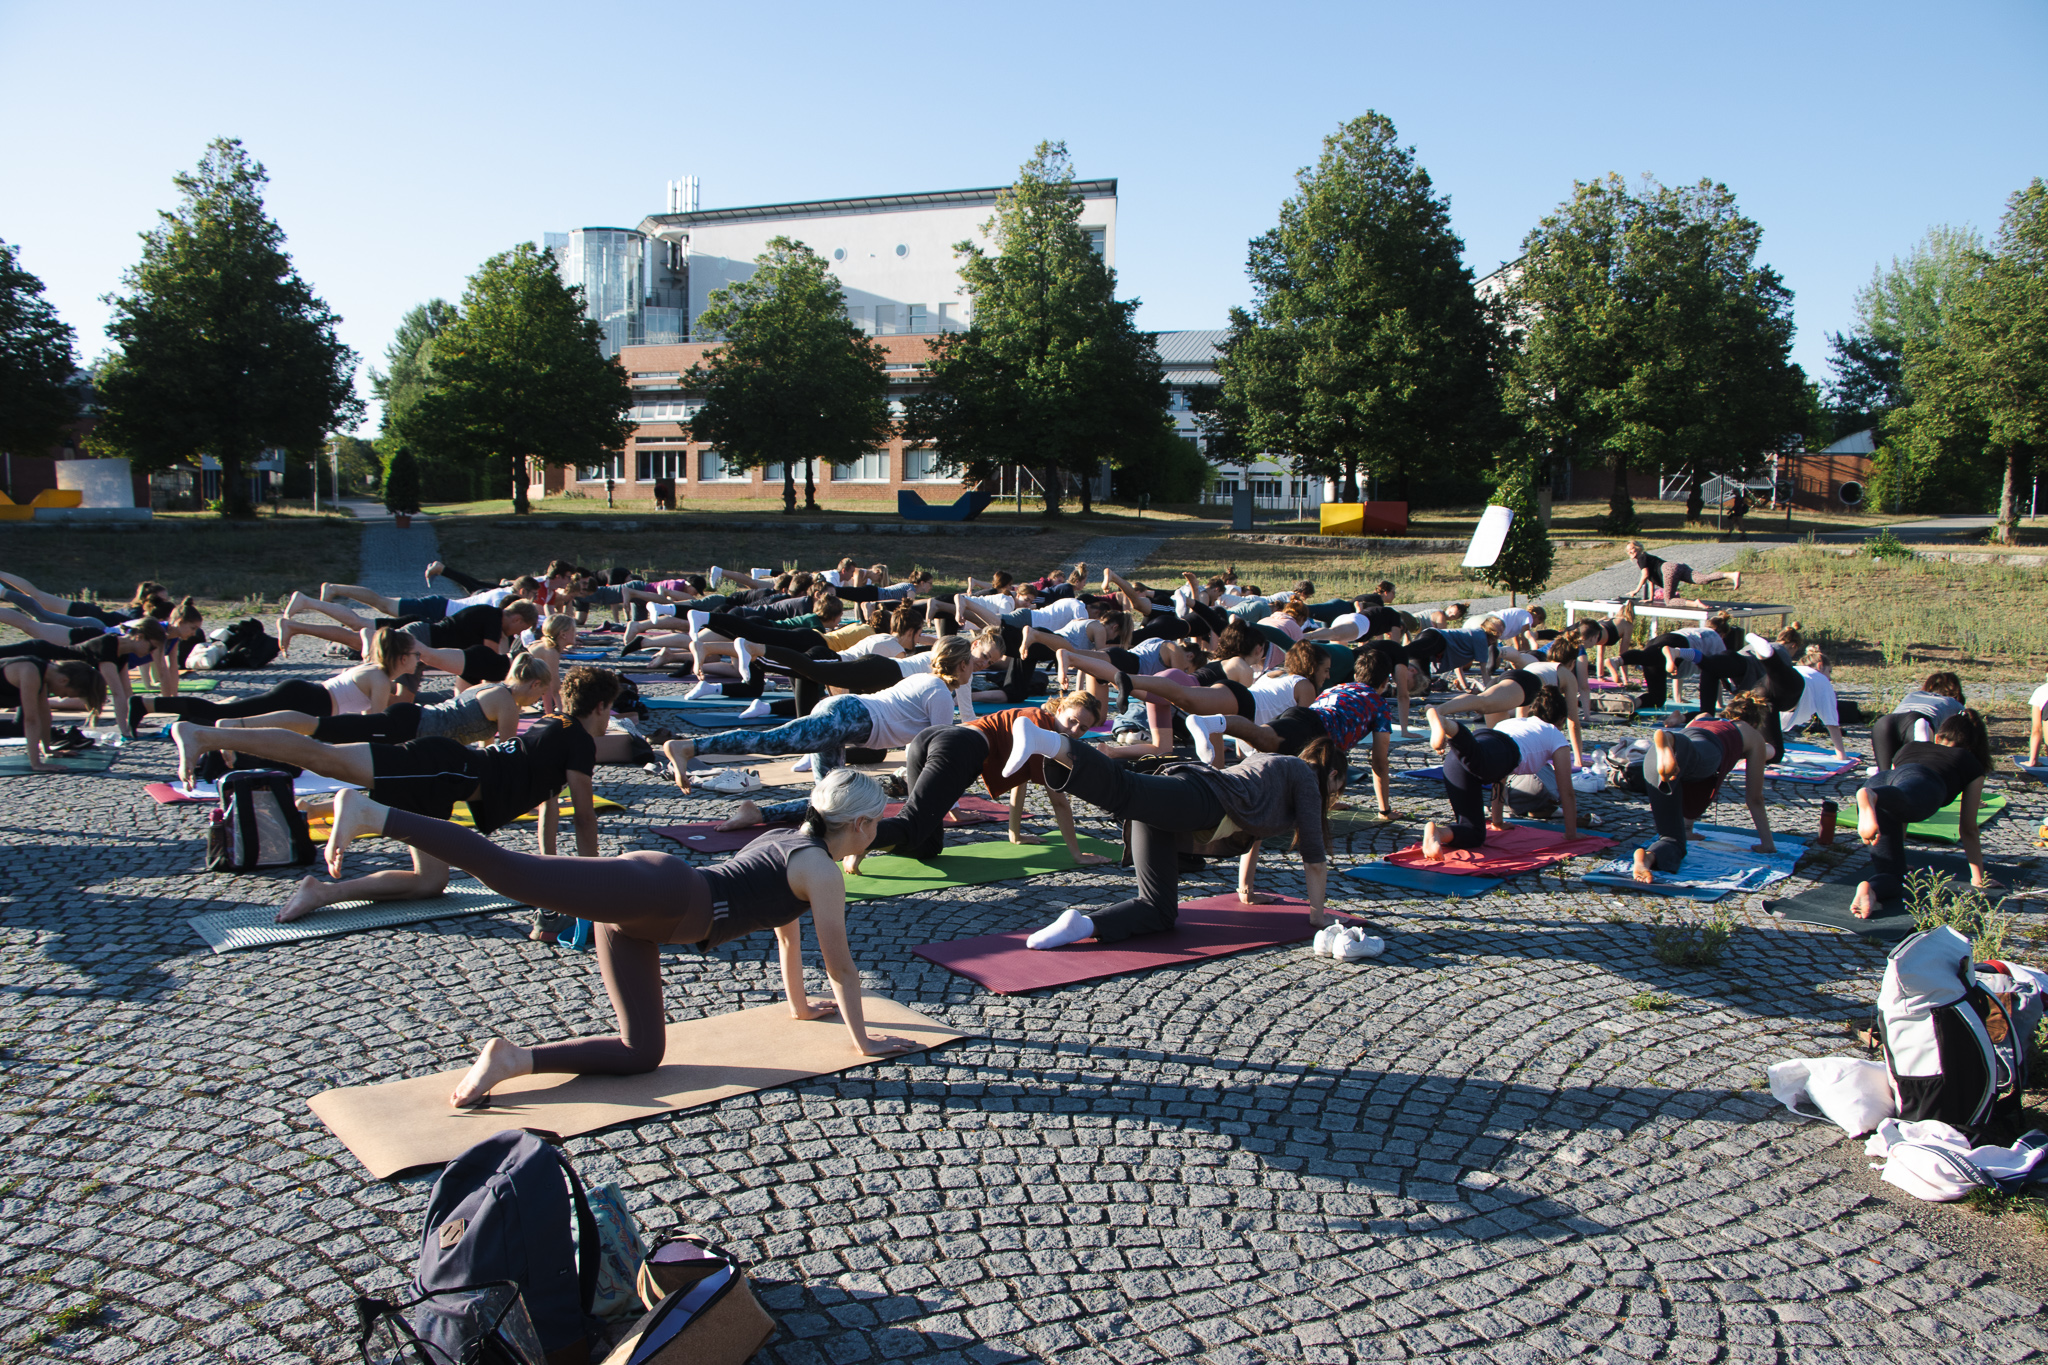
pixel 402 487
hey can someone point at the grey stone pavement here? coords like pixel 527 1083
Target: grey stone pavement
pixel 1475 1148
pixel 394 561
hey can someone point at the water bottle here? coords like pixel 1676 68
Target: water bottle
pixel 1828 811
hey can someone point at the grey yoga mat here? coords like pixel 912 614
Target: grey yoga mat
pixel 227 931
pixel 1828 903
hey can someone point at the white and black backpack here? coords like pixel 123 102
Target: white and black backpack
pixel 257 824
pixel 1931 1024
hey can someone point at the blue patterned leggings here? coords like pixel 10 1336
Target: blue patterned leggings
pixel 838 722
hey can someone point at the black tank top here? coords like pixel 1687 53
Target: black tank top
pixel 41 651
pixel 750 890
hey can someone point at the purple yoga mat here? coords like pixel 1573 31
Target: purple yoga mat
pixel 1215 927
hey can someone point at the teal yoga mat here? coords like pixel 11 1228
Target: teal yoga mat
pixel 1422 879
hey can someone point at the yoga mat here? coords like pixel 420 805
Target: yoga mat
pixel 185 684
pixel 1828 904
pixel 178 794
pixel 993 860
pixel 2037 771
pixel 1945 826
pixel 1805 763
pixel 989 708
pixel 1422 879
pixel 14 761
pixel 1520 848
pixel 1213 927
pixel 717 703
pixel 707 838
pixel 229 931
pixel 406 1124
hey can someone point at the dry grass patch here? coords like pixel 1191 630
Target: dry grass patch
pixel 1337 573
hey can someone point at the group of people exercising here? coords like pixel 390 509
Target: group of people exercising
pixel 1176 675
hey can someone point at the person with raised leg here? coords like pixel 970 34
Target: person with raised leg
pixel 1683 772
pixel 1475 761
pixel 1926 776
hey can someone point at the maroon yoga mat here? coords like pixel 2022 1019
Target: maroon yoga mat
pixel 1517 849
pixel 706 838
pixel 1215 927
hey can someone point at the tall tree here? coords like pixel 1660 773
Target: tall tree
pixel 1654 337
pixel 1370 351
pixel 1525 559
pixel 39 387
pixel 519 376
pixel 1052 373
pixel 792 379
pixel 1907 303
pixel 1980 387
pixel 410 361
pixel 224 349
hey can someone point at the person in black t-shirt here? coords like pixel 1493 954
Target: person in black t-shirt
pixel 1925 776
pixel 500 782
pixel 481 625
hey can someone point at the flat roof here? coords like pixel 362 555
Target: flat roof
pixel 879 203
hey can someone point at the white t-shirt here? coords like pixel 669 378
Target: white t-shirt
pixel 1001 605
pixel 1537 739
pixel 913 705
pixel 1271 695
pixel 489 597
pixel 919 665
pixel 2039 701
pixel 1053 615
pixel 1817 700
pixel 1514 620
pixel 888 646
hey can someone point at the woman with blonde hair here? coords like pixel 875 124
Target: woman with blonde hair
pixel 364 689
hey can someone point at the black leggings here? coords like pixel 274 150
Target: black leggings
pixel 1650 658
pixel 637 901
pixel 1426 648
pixel 1891 731
pixel 1700 763
pixel 1781 683
pixel 755 632
pixel 398 724
pixel 1472 762
pixel 1900 796
pixel 863 677
pixel 294 694
pixel 464 581
pixel 940 765
pixel 1157 808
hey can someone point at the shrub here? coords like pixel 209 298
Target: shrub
pixel 402 484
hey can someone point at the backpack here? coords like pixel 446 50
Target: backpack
pixel 1938 1054
pixel 256 824
pixel 1625 766
pixel 701 1310
pixel 510 1208
pixel 2015 999
pixel 1615 704
pixel 245 644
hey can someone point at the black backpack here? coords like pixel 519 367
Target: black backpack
pixel 257 824
pixel 511 1208
pixel 247 645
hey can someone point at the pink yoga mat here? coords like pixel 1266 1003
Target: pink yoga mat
pixel 1215 927
pixel 705 838
pixel 168 795
pixel 1519 849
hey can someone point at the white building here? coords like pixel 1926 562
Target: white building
pixel 1189 359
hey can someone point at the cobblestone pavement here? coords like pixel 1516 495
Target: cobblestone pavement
pixel 1474 1148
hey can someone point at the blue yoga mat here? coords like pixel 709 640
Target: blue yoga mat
pixel 1712 869
pixel 1422 879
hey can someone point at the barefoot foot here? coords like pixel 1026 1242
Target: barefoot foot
pixel 1865 904
pixel 355 815
pixel 308 897
pixel 1439 733
pixel 1866 816
pixel 185 735
pixel 1643 871
pixel 745 816
pixel 284 634
pixel 499 1062
pixel 1432 842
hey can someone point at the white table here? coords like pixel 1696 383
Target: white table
pixel 1741 611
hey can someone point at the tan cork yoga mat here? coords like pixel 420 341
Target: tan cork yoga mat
pixel 404 1124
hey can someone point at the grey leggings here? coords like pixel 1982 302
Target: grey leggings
pixel 838 722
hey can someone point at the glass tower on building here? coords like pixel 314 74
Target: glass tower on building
pixel 631 285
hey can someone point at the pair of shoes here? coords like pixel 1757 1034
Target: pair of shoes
pixel 548 926
pixel 1347 943
pixel 69 741
pixel 731 782
pixel 894 786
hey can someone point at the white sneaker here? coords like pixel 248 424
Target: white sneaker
pixel 1320 945
pixel 1358 945
pixel 802 765
pixel 732 782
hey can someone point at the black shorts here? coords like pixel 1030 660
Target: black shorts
pixel 482 664
pixel 423 608
pixel 1296 726
pixel 1246 706
pixel 1531 685
pixel 424 776
pixel 1603 633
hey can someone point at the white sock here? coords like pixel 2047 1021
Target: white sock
pixel 717 574
pixel 1759 646
pixel 802 765
pixel 1028 741
pixel 1204 729
pixel 705 689
pixel 1923 731
pixel 743 651
pixel 699 620
pixel 756 709
pixel 760 573
pixel 1071 927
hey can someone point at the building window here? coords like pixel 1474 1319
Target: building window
pixel 921 465
pixel 652 376
pixel 712 468
pixel 664 410
pixel 872 467
pixel 857 314
pixel 614 468
pixel 885 320
pixel 949 317
pixel 920 322
pixel 1098 238
pixel 660 463
pixel 772 473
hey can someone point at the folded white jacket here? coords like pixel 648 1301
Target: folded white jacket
pixel 1850 1092
pixel 1932 1160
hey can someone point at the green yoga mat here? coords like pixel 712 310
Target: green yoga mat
pixel 198 684
pixel 996 860
pixel 1945 825
pixel 14 761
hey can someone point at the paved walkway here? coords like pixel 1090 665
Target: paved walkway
pixel 394 561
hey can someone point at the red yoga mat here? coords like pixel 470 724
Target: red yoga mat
pixel 706 838
pixel 168 795
pixel 1519 849
pixel 1215 927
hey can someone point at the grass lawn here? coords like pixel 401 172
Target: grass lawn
pixel 1336 573
pixel 229 568
pixel 1661 522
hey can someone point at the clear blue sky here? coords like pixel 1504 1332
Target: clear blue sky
pixel 408 142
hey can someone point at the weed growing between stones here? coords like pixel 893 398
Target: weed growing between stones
pixel 1935 899
pixel 1692 945
pixel 1651 1002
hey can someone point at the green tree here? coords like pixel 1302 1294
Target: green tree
pixel 39 389
pixel 224 349
pixel 360 466
pixel 1368 351
pixel 402 484
pixel 1052 374
pixel 1654 338
pixel 1525 559
pixel 1168 470
pixel 1979 386
pixel 792 379
pixel 519 377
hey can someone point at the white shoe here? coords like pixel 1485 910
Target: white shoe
pixel 1359 945
pixel 717 575
pixel 1320 945
pixel 802 765
pixel 732 782
pixel 1203 730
